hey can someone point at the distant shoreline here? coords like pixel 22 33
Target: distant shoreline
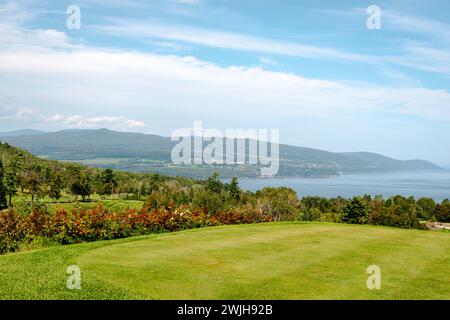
pixel 424 183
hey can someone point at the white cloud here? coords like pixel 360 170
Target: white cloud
pixel 38 40
pixel 419 55
pixel 79 121
pixel 25 112
pixel 134 123
pixel 433 28
pixel 228 40
pixel 399 21
pixel 267 60
pixel 15 36
pixel 13 13
pixel 167 46
pixel 52 73
pixel 139 83
pixel 9 110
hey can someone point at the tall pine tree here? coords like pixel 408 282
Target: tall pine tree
pixel 233 188
pixel 3 203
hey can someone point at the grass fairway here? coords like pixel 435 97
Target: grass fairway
pixel 265 261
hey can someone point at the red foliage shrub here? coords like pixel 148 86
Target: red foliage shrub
pixel 14 230
pixel 98 224
pixel 234 217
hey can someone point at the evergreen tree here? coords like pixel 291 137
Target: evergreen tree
pixel 233 188
pixel 355 211
pixel 213 183
pixel 3 203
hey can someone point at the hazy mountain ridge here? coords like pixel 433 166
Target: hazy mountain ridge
pixel 23 132
pixel 148 152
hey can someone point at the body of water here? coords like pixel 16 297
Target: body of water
pixel 433 184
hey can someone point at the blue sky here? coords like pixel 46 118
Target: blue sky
pixel 311 69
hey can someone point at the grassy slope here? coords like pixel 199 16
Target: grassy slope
pixel 278 261
pixel 114 205
pixel 111 205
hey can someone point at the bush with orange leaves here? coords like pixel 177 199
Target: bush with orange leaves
pixel 82 225
pixel 14 230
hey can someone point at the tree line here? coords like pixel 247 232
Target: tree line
pixel 283 204
pixel 20 172
pixel 39 178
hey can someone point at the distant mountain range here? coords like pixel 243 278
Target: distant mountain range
pixel 24 132
pixel 147 152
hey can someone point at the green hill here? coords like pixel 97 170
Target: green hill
pixel 7 151
pixel 144 152
pixel 25 132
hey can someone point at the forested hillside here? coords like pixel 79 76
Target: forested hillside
pixel 38 177
pixel 139 152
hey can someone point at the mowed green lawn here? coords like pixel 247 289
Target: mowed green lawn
pixel 264 261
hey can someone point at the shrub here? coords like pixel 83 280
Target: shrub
pixel 279 203
pixel 355 212
pixel 442 211
pixel 14 230
pixel 312 214
pixel 330 217
pixel 427 206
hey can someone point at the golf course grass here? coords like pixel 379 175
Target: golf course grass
pixel 260 261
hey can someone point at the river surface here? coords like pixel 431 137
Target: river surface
pixel 433 184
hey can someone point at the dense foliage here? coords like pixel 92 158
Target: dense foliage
pixel 98 224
